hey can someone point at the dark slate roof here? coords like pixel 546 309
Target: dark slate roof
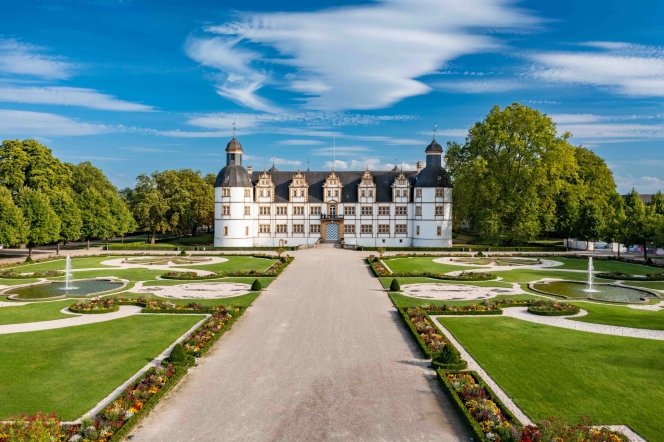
pixel 432 177
pixel 350 181
pixel 233 176
pixel 233 144
pixel 434 147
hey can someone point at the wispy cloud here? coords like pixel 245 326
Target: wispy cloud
pixel 300 142
pixel 371 163
pixel 69 96
pixel 353 57
pixel 339 150
pixel 13 122
pixel 388 140
pixel 20 58
pixel 481 86
pixel 622 68
pixel 645 184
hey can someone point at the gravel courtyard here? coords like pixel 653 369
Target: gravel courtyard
pixel 321 355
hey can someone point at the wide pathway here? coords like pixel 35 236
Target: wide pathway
pixel 321 355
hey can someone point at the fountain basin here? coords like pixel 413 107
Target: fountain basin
pixel 56 289
pixel 601 292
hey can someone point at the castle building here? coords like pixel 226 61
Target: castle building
pixel 379 209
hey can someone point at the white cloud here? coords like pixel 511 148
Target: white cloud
pixel 339 150
pixel 622 68
pixel 69 96
pixel 574 118
pixel 371 163
pixel 481 86
pixel 13 122
pixel 389 140
pixel 300 142
pixel 24 59
pixel 285 162
pixel 645 184
pixel 454 133
pixel 357 57
pixel 337 165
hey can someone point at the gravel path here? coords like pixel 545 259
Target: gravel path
pixel 125 310
pixel 321 355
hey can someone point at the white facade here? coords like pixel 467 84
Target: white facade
pixel 403 216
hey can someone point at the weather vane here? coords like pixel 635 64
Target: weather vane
pixel 434 131
pixel 233 129
pixel 308 164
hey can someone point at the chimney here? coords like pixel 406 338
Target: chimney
pixel 419 167
pixel 250 170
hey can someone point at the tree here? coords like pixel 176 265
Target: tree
pixel 123 219
pixel 86 176
pixel 641 222
pixel 97 220
pixel 591 222
pixel 657 203
pixel 12 225
pixel 29 164
pixel 508 174
pixel 615 229
pixel 64 206
pixel 151 207
pixel 43 224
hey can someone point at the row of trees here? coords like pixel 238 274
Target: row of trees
pixel 516 178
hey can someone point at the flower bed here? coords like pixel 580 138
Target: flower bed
pixel 188 276
pixel 485 414
pixel 626 277
pixel 553 308
pixel 200 341
pixel 159 306
pixel 12 274
pixel 485 308
pixel 430 338
pixel 95 306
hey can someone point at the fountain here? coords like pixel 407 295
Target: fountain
pixel 68 275
pixel 591 277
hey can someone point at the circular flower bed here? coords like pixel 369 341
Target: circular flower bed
pixel 95 306
pixel 553 308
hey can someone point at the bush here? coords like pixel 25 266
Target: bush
pixel 256 286
pixel 28 260
pixel 183 253
pixel 395 287
pixel 480 254
pixel 449 355
pixel 180 357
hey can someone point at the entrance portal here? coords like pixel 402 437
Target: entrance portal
pixel 332 232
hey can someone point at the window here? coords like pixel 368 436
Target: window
pixel 226 210
pixel 366 228
pixel 298 228
pixel 264 228
pixel 349 229
pixel 282 228
pixel 349 210
pixel 363 194
pixel 225 230
pixel 315 210
pixel 417 230
pixel 418 211
pixel 329 193
pixel 384 210
pixel 264 210
pixel 440 193
pixel 439 211
pixel 298 210
pixel 269 193
pixel 367 210
pixel 383 228
pixel 225 192
pixel 401 210
pixel 262 194
pixel 314 228
pixel 246 231
pixel 247 193
pixel 336 193
pixel 282 210
pixel 418 193
pixel 439 231
pixel 247 210
pixel 401 228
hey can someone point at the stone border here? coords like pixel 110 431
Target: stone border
pixel 53 298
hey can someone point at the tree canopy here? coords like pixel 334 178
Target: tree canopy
pixel 29 164
pixel 12 225
pixel 42 222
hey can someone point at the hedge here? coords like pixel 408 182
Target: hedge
pixel 440 366
pixel 423 346
pixel 469 248
pixel 623 277
pixel 175 248
pixel 95 311
pixel 553 313
pixel 189 278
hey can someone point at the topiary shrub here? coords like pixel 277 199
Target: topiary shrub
pixel 449 355
pixel 480 254
pixel 178 355
pixel 256 286
pixel 395 287
pixel 28 259
pixel 183 253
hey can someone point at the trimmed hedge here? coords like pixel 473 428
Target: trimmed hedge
pixel 498 311
pixel 175 248
pixel 442 366
pixel 469 248
pixel 624 277
pixel 10 274
pixel 184 277
pixel 534 311
pixel 95 311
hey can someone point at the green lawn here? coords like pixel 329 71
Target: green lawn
pixel 42 311
pixel 236 301
pixel 421 280
pixel 522 276
pixel 424 264
pixel 10 282
pixel 235 264
pixel 551 371
pixel 265 281
pixel 622 316
pixel 68 371
pixel 647 285
pixel 605 266
pixel 59 264
pixel 406 301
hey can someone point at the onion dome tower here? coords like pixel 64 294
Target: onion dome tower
pixel 233 175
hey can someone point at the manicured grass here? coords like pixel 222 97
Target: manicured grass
pixel 236 264
pixel 59 264
pixel 424 264
pixel 236 301
pixel 421 280
pixel 605 266
pixel 522 276
pixel 129 274
pixel 551 371
pixel 11 282
pixel 42 311
pixel 265 281
pixel 622 316
pixel 406 301
pixel 68 371
pixel 646 285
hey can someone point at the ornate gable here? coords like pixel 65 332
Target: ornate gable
pixel 264 189
pixel 298 189
pixel 401 189
pixel 332 188
pixel 366 190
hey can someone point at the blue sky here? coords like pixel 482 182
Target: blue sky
pixel 138 86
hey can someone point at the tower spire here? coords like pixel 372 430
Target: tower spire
pixel 334 159
pixel 434 131
pixel 308 170
pixel 233 129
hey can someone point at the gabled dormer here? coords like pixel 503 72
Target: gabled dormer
pixel 366 190
pixel 332 189
pixel 401 189
pixel 298 189
pixel 264 190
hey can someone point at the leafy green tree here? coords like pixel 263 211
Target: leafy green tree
pixel 12 225
pixel 86 176
pixel 29 164
pixel 641 222
pixel 657 203
pixel 43 223
pixel 124 220
pixel 63 204
pixel 591 222
pixel 567 213
pixel 509 172
pixel 97 220
pixel 615 229
pixel 151 208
